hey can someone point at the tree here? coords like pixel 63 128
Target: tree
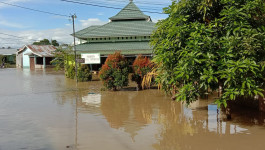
pixel 55 43
pixel 83 73
pixel 42 42
pixel 114 72
pixel 62 57
pixel 208 45
pixel 141 66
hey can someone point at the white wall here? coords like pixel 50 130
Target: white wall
pixel 26 63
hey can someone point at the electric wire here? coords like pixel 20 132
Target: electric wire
pixel 36 10
pixel 104 6
pixel 142 7
pixel 138 2
pixel 17 36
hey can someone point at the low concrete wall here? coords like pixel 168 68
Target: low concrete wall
pixel 41 66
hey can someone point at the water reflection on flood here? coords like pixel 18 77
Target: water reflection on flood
pixel 52 113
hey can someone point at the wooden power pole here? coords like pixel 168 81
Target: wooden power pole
pixel 73 20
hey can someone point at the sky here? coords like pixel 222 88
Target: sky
pixel 27 26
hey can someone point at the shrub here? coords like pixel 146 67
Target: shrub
pixel 84 74
pixel 141 66
pixel 114 72
pixel 70 71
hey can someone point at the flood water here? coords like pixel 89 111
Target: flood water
pixel 42 110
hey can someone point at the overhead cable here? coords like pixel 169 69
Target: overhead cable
pixel 51 13
pixel 104 6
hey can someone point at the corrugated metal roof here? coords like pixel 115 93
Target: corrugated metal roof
pixel 110 48
pixel 8 51
pixel 41 50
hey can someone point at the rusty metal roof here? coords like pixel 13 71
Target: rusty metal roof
pixel 8 51
pixel 41 50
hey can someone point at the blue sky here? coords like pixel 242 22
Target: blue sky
pixel 35 26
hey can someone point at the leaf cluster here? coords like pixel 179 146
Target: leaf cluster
pixel 207 44
pixel 114 72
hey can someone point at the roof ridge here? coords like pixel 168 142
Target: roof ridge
pixel 129 13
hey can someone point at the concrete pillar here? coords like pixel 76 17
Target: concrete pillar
pixel 44 62
pixel 35 59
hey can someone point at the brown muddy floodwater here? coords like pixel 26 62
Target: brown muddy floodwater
pixel 42 110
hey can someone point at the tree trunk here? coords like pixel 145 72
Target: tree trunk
pixel 228 110
pixel 261 104
pixel 115 88
pixel 139 85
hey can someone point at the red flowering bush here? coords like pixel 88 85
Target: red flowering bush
pixel 114 73
pixel 141 66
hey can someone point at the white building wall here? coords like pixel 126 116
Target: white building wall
pixel 26 63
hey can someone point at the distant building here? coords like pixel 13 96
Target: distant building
pixel 128 32
pixel 8 55
pixel 35 56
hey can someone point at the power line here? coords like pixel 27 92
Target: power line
pixel 121 3
pixel 139 2
pixel 103 6
pixel 17 36
pixel 51 13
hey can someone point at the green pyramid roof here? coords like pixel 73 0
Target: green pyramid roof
pixel 130 12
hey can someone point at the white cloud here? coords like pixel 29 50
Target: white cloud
pixel 91 21
pixel 10 24
pixel 155 20
pixel 100 14
pixel 62 35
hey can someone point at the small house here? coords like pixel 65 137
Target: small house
pixel 7 56
pixel 35 56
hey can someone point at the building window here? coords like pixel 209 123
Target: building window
pixel 118 38
pixel 127 38
pixel 144 37
pixel 92 39
pixel 96 38
pixel 130 37
pixel 122 38
pixel 100 38
pixel 135 37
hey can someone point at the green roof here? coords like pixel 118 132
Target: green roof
pixel 83 31
pixel 109 48
pixel 118 29
pixel 131 11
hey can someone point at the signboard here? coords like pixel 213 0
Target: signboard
pixel 82 60
pixel 92 58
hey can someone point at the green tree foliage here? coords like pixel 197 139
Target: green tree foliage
pixel 42 42
pixel 46 42
pixel 141 66
pixel 54 43
pixel 114 73
pixel 65 60
pixel 205 45
pixel 63 57
pixel 84 74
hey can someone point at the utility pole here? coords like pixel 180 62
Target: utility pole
pixel 73 20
